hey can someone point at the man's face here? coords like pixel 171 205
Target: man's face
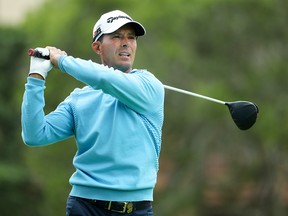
pixel 118 49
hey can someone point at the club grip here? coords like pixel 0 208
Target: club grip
pixel 36 53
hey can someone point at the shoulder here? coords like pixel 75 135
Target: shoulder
pixel 149 78
pixel 145 74
pixel 141 71
pixel 81 92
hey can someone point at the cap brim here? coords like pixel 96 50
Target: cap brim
pixel 139 29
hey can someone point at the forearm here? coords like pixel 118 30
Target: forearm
pixel 32 111
pixel 139 91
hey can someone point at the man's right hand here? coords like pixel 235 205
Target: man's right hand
pixel 38 66
pixel 55 54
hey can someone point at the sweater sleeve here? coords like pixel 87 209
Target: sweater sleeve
pixel 140 90
pixel 38 129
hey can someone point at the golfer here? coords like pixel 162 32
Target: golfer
pixel 116 120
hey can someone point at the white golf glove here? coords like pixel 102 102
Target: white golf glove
pixel 39 65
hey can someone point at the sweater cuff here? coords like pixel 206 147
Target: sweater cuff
pixel 35 81
pixel 60 63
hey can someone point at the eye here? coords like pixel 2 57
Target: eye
pixel 116 36
pixel 132 37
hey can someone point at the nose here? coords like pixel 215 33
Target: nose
pixel 125 42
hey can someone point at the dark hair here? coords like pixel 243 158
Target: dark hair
pixel 100 38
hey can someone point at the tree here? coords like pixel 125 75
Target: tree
pixel 15 180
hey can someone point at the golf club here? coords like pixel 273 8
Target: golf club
pixel 243 113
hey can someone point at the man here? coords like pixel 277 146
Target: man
pixel 116 120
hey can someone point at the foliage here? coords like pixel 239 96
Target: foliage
pixel 231 50
pixel 15 182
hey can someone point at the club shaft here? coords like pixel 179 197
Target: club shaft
pixel 193 94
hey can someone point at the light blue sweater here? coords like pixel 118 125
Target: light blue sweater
pixel 116 120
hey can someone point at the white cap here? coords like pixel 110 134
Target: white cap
pixel 113 20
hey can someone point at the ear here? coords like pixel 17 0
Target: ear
pixel 96 46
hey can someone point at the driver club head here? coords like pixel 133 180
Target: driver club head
pixel 243 113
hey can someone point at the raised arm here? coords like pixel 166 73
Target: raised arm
pixel 139 89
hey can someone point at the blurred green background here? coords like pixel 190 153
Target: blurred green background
pixel 230 50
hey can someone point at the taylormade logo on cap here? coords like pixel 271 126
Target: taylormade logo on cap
pixel 111 21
